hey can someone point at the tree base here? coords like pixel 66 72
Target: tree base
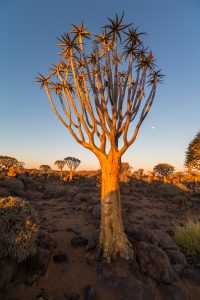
pixel 119 247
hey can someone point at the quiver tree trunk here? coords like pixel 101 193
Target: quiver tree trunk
pixel 61 173
pixel 113 240
pixel 165 179
pixel 71 172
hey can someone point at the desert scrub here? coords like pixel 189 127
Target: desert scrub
pixel 182 187
pixel 18 236
pixel 188 239
pixel 166 189
pixel 55 188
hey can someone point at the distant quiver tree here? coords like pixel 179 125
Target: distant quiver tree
pixel 164 170
pixel 105 84
pixel 7 162
pixel 60 164
pixel 125 172
pixel 72 164
pixel 45 168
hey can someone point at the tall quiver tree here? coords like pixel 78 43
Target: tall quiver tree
pixel 72 164
pixel 103 87
pixel 60 164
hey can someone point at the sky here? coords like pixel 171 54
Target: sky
pixel 29 130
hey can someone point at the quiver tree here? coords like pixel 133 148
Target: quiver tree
pixel 192 161
pixel 7 162
pixel 105 84
pixel 125 172
pixel 72 164
pixel 45 168
pixel 60 164
pixel 18 167
pixel 164 170
pixel 140 173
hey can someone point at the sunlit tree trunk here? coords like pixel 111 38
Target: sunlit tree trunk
pixel 113 239
pixel 71 174
pixel 61 173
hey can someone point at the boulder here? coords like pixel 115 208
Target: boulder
pixel 155 237
pixel 176 258
pixel 174 291
pixel 8 271
pixel 154 262
pixel 79 241
pixel 45 241
pixel 60 257
pixel 39 262
pixel 89 293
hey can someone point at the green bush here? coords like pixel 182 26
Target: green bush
pixel 19 230
pixel 56 188
pixel 188 239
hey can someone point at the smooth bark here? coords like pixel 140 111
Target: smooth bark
pixel 71 175
pixel 113 240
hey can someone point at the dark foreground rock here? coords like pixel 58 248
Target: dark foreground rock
pixel 79 241
pixel 89 293
pixel 154 262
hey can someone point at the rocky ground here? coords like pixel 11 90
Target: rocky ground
pixel 67 266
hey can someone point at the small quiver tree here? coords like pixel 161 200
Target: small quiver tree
pixel 45 168
pixel 103 87
pixel 18 167
pixel 140 173
pixel 72 164
pixel 125 172
pixel 164 170
pixel 60 164
pixel 192 161
pixel 6 162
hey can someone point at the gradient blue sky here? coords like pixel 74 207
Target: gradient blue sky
pixel 30 131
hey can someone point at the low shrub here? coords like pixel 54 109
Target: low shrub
pixel 182 187
pixel 170 189
pixel 19 231
pixel 56 188
pixel 188 239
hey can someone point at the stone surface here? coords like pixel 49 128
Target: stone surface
pixel 89 293
pixel 72 296
pixel 176 257
pixel 191 275
pixel 39 262
pixel 8 271
pixel 79 241
pixel 154 262
pixel 174 291
pixel 45 241
pixel 60 257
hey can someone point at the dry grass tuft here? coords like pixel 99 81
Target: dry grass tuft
pixel 18 235
pixel 188 239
